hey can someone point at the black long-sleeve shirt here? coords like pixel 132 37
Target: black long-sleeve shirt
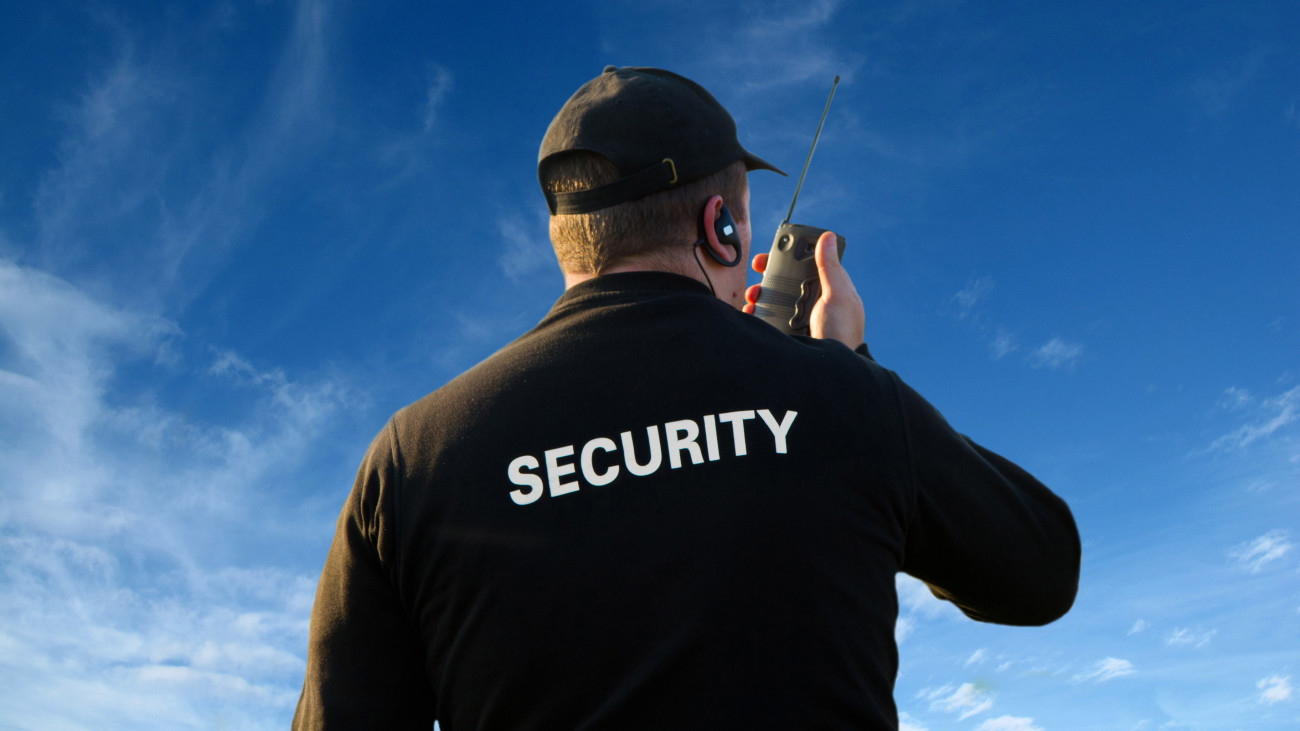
pixel 654 512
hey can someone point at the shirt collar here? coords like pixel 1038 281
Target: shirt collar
pixel 624 283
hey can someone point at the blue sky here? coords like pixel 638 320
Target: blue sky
pixel 235 236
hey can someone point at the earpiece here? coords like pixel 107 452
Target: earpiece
pixel 725 228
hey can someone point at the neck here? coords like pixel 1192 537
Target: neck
pixel 718 285
pixel 659 264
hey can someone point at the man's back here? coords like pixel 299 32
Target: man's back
pixel 653 511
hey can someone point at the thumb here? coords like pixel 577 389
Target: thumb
pixel 829 268
pixel 838 314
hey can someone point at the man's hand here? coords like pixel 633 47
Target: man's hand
pixel 838 314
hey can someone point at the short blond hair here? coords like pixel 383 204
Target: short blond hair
pixel 588 243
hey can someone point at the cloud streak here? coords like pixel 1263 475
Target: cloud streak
pixel 525 253
pixel 966 700
pixel 440 86
pixel 1107 669
pixel 149 191
pixel 1255 555
pixel 1056 353
pixel 1008 723
pixel 1196 639
pixel 114 591
pixel 1271 416
pixel 968 298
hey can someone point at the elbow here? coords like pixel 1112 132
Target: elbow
pixel 1054 594
pixel 1023 598
pixel 1052 607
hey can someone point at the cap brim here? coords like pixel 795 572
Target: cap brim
pixel 754 162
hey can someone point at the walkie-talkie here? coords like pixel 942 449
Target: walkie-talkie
pixel 790 284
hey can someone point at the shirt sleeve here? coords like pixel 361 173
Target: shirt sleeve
pixel 365 661
pixel 984 533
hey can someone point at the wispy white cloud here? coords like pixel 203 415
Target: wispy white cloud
pixel 917 603
pixel 1218 92
pixel 1274 689
pixel 1056 353
pixel 1003 344
pixel 976 657
pixel 117 589
pixel 799 24
pixel 144 656
pixel 301 81
pixel 1254 555
pixel 1184 637
pixel 907 723
pixel 140 182
pixel 915 597
pixel 440 85
pixel 1009 723
pixel 407 150
pixel 527 249
pixel 103 174
pixel 969 301
pixel 967 699
pixel 1235 399
pixel 1270 415
pixel 1107 669
pixel 1138 627
pixel 903 628
pixel 62 341
pixel 793 18
pixel 968 298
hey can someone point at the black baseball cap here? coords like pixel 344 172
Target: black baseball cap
pixel 658 128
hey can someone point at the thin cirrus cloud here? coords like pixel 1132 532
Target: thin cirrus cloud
pixel 1055 353
pixel 965 700
pixel 1270 415
pixel 967 299
pixel 1106 669
pixel 1193 638
pixel 1009 723
pixel 1257 554
pixel 138 184
pixel 799 26
pixel 108 594
pixel 441 81
pixel 525 252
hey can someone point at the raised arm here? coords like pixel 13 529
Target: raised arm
pixel 985 534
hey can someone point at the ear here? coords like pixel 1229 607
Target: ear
pixel 721 238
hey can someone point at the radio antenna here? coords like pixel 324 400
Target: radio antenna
pixel 810 150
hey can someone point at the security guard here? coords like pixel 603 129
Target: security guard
pixel 653 510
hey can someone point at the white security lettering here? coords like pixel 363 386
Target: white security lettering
pixel 629 452
pixel 519 477
pixel 778 430
pixel 588 471
pixel 676 443
pixel 555 471
pixel 565 475
pixel 711 436
pixel 737 419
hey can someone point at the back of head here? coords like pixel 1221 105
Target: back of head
pixel 644 229
pixel 628 162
